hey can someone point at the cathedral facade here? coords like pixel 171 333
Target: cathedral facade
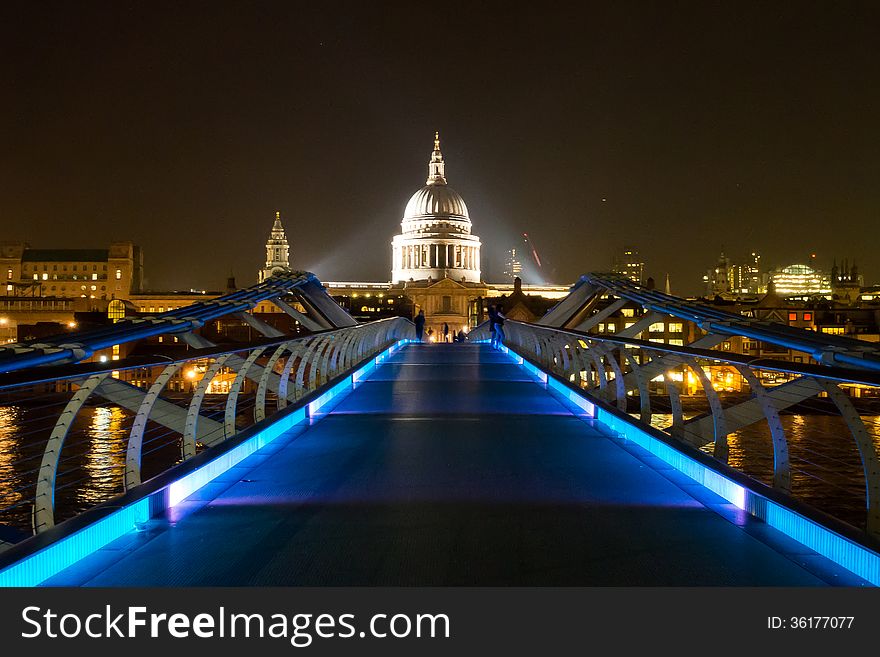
pixel 436 258
pixel 435 240
pixel 435 265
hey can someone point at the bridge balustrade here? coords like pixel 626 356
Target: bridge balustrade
pixel 811 432
pixel 76 436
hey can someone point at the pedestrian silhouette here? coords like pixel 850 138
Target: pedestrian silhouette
pixel 420 325
pixel 498 334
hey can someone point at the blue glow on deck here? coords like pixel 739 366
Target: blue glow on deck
pixel 190 483
pixel 578 400
pixel 49 561
pixel 54 558
pixel 847 553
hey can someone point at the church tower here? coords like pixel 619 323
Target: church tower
pixel 277 251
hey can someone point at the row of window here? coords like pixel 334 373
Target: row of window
pixel 45 267
pixel 807 317
pixel 73 277
pixel 45 273
pixel 672 341
pixel 81 287
pixel 657 327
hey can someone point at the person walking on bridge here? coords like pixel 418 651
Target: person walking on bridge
pixel 498 332
pixel 420 325
pixel 493 317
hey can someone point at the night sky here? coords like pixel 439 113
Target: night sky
pixel 678 128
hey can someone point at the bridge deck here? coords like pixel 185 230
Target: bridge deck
pixel 451 466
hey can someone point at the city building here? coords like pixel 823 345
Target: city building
pixel 277 251
pixel 719 280
pixel 523 307
pixel 748 277
pixel 846 284
pixel 629 263
pixel 512 265
pixel 799 280
pixel 52 290
pixel 94 274
pixel 729 279
pixel 436 240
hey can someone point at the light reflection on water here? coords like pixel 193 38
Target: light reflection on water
pixel 90 470
pixel 104 456
pixel 10 480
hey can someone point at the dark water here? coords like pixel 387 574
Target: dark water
pixel 826 467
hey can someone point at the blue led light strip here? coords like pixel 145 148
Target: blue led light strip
pixel 843 551
pixel 39 566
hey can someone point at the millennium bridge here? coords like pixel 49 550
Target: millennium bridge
pixel 354 455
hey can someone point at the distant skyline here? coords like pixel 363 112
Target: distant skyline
pixel 679 128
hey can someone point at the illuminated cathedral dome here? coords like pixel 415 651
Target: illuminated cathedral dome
pixel 436 240
pixel 435 200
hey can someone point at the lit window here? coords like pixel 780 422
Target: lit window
pixel 601 328
pixel 656 327
pixel 628 324
pixel 808 317
pixel 676 342
pixel 36 277
pixel 94 277
pixel 118 274
pixel 45 276
pixel 8 273
pixel 628 312
pixel 792 317
pixel 94 287
pixel 676 327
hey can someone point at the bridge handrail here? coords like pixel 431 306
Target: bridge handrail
pixel 59 449
pixel 52 373
pixel 617 369
pixel 824 348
